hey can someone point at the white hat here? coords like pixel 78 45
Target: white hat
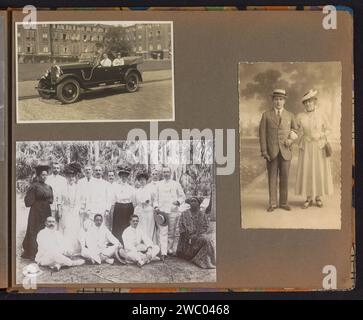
pixel 309 95
pixel 279 92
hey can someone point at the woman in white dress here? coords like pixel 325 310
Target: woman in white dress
pixel 314 176
pixel 70 221
pixel 144 205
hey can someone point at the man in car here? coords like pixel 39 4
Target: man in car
pixel 105 62
pixel 118 61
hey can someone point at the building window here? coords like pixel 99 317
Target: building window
pixel 65 49
pixel 151 47
pixel 28 49
pixel 150 34
pixel 45 36
pixel 140 48
pixel 19 48
pixel 139 36
pixel 45 50
pixel 158 34
pixel 64 36
pixel 159 46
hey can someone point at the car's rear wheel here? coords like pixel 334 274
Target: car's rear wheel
pixel 42 84
pixel 68 91
pixel 132 82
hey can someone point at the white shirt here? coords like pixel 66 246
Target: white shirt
pixel 153 188
pixel 118 62
pixel 97 238
pixel 277 111
pixel 112 189
pixel 106 62
pixel 94 195
pixel 50 242
pixel 132 237
pixel 169 191
pixel 125 193
pixel 58 184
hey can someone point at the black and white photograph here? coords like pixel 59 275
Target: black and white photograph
pixel 112 212
pixel 94 71
pixel 290 144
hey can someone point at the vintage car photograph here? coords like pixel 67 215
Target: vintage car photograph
pixel 94 71
pixel 65 82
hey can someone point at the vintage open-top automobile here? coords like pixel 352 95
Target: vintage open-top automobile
pixel 67 81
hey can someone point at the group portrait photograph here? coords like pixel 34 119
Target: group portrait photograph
pixel 105 212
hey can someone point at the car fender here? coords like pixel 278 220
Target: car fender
pixel 134 70
pixel 70 76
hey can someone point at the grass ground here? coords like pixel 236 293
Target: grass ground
pixel 174 270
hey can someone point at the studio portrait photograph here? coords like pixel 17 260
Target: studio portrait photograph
pixel 101 212
pixel 94 71
pixel 290 145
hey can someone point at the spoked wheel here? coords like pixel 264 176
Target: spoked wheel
pixel 68 91
pixel 132 82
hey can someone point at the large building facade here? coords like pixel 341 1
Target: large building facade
pixel 67 42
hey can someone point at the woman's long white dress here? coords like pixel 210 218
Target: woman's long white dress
pixel 70 221
pixel 314 176
pixel 144 209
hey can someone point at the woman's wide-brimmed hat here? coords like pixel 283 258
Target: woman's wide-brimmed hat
pixel 73 168
pixel 123 170
pixel 311 94
pixel 279 93
pixel 142 175
pixel 41 166
pixel 161 218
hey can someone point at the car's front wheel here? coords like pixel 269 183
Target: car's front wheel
pixel 68 91
pixel 42 84
pixel 132 82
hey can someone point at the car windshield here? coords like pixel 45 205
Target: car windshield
pixel 86 57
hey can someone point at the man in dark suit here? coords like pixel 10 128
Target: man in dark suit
pixel 277 131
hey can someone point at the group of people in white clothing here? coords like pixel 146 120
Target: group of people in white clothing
pixel 107 62
pixel 95 220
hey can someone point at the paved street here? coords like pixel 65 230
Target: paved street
pixel 153 101
pixel 255 202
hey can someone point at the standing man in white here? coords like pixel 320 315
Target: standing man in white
pixel 94 194
pixel 169 197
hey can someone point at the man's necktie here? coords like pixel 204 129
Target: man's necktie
pixel 279 116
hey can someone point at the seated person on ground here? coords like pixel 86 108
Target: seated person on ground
pixel 51 249
pixel 138 248
pixel 98 244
